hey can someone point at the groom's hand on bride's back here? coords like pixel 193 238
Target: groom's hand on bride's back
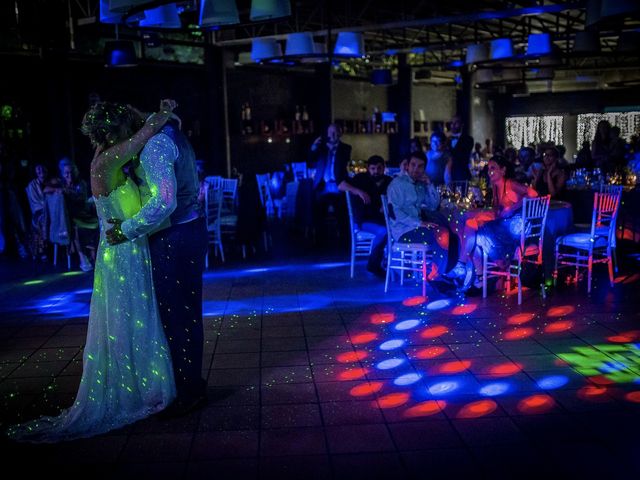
pixel 114 234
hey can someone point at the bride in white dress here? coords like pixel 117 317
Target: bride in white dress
pixel 127 373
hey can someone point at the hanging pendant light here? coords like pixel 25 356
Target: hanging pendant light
pixel 109 16
pixel 539 44
pixel 269 9
pixel 165 16
pixel 300 43
pixel 123 6
pixel 477 53
pixel 218 12
pixel 501 48
pixel 349 44
pixel 120 53
pixel 265 48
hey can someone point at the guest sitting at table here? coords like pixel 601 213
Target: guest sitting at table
pixel 83 218
pixel 583 158
pixel 526 157
pixel 36 191
pixel 369 217
pixel 499 237
pixel 408 196
pixel 439 160
pixel 600 147
pixel 551 179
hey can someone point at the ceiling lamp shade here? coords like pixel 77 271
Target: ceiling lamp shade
pixel 587 41
pixel 123 6
pixel 477 53
pixel 269 9
pixel 165 16
pixel 381 76
pixel 539 44
pixel 265 48
pixel 300 43
pixel 610 11
pixel 120 53
pixel 349 44
pixel 501 48
pixel 218 12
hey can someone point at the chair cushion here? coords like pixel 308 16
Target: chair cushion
pixel 581 241
pixel 360 235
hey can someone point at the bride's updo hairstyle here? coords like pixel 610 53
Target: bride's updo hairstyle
pixel 108 123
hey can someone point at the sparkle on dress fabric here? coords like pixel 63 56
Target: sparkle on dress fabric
pixel 127 373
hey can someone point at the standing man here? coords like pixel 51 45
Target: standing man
pixel 172 217
pixel 369 216
pixel 331 158
pixel 460 145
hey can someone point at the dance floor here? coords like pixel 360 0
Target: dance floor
pixel 312 374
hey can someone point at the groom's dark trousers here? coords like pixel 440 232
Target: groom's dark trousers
pixel 177 257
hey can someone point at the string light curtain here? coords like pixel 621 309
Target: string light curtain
pixel 523 131
pixel 629 123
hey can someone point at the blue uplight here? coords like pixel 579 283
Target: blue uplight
pixel 388 364
pixel 439 304
pixel 552 382
pixel 495 389
pixel 407 324
pixel 443 388
pixel 391 344
pixel 407 379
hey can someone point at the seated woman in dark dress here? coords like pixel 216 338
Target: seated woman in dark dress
pixel 499 237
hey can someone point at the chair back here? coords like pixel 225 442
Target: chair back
pixel 263 181
pixel 352 222
pixel 299 170
pixel 611 188
pixel 229 189
pixel 387 221
pixel 534 220
pixel 213 206
pixel 617 190
pixel 215 180
pixel 605 212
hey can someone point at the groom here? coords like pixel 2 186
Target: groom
pixel 174 221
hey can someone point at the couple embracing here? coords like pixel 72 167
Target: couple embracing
pixel 143 352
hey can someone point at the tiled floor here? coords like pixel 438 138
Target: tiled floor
pixel 314 375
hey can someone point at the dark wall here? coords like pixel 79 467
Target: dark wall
pixel 272 95
pixel 55 107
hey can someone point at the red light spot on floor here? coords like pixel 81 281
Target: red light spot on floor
pixel 414 301
pixel 601 380
pixel 349 357
pixel 558 362
pixel 353 374
pixel 633 397
pixel 504 369
pixel 590 392
pixel 393 400
pixel 434 332
pixel 536 404
pixel 425 409
pixel 442 238
pixel 366 389
pixel 477 409
pixel 519 333
pixel 520 318
pixel 464 309
pixel 561 311
pixel 559 326
pixel 451 367
pixel 380 318
pixel 430 352
pixel 625 337
pixel 364 337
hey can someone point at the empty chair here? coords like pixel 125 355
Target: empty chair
pixel 265 194
pixel 213 212
pixel 403 257
pixel 617 189
pixel 528 250
pixel 361 242
pixel 583 249
pixel 229 191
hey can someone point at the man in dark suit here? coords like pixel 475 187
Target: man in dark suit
pixel 460 145
pixel 331 158
pixel 369 217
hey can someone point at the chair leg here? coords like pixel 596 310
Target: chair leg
pixel 244 252
pixel 353 260
pixel 266 242
pixel 555 268
pixel 589 270
pixel 424 275
pixel 485 274
pixel 615 259
pixel 68 259
pixel 402 271
pixel 221 251
pixel 55 254
pixel 386 279
pixel 610 265
pixel 519 283
pixel 206 259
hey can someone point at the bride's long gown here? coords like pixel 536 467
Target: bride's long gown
pixel 127 373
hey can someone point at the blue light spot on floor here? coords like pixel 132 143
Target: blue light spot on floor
pixel 407 324
pixel 443 388
pixel 407 379
pixel 552 382
pixel 392 344
pixel 495 389
pixel 439 304
pixel 388 364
